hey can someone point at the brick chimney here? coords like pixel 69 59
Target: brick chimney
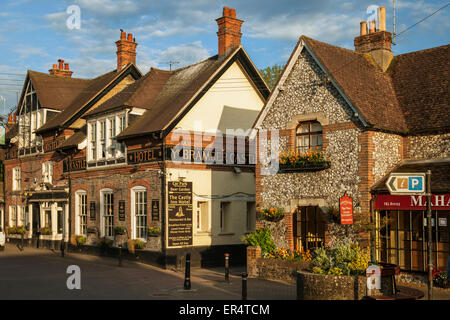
pixel 61 70
pixel 126 50
pixel 376 42
pixel 229 33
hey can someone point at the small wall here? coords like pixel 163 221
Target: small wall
pixel 328 287
pixel 259 267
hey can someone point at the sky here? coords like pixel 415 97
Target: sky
pixel 34 34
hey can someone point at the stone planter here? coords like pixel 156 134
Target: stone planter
pixel 313 286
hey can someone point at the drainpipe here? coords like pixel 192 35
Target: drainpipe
pixel 372 230
pixel 163 199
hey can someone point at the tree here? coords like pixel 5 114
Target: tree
pixel 271 74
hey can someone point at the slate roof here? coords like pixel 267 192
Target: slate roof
pixel 411 97
pixel 440 174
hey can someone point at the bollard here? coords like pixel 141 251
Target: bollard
pixel 244 285
pixel 227 267
pixel 62 248
pixel 187 275
pixel 120 255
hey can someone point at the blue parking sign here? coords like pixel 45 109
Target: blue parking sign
pixel 415 183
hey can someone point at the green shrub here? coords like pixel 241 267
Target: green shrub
pixel 119 230
pixel 81 240
pixel 261 238
pixel 344 259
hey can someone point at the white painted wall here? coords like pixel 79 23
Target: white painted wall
pixel 232 102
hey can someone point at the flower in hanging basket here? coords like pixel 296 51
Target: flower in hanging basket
pixel 271 214
pixel 334 214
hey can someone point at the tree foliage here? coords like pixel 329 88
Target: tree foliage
pixel 271 74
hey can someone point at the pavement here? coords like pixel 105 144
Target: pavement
pixel 41 274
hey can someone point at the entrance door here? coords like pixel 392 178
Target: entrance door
pixel 36 219
pixel 309 228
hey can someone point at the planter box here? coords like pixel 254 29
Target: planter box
pixel 309 167
pixel 154 235
pixel 313 286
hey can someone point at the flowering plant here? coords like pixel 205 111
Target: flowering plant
pixel 45 231
pixel 440 278
pixel 153 231
pixel 286 254
pixel 297 159
pixel 271 214
pixel 16 230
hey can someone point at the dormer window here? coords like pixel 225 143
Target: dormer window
pixel 308 135
pixel 103 147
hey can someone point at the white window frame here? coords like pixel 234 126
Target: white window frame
pixel 47 172
pixel 103 216
pixel 81 213
pixel 224 218
pixel 17 179
pixel 134 218
pixel 12 216
pixel 202 216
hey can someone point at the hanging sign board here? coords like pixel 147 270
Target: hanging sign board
pixel 346 209
pixel 406 183
pixel 179 213
pixel 121 210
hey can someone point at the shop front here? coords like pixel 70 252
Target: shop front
pixel 402 236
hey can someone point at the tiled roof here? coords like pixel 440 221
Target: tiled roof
pixel 412 96
pixel 139 94
pixel 74 140
pixel 440 174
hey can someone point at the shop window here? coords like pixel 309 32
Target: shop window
pixel 139 212
pixel 309 228
pixel 81 212
pixel 107 213
pixel 403 238
pixel 202 216
pixel 308 135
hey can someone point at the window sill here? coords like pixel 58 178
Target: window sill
pixel 203 233
pixel 307 168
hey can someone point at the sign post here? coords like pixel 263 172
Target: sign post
pixel 416 184
pixel 430 234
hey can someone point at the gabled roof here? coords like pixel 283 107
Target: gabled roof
pixel 54 92
pixel 139 94
pixel 183 87
pixel 94 89
pixel 411 97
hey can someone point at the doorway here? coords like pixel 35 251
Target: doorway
pixel 309 228
pixel 36 219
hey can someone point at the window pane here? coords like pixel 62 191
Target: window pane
pixel 315 126
pixel 304 128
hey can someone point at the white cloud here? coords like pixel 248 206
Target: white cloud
pixel 25 51
pixel 184 54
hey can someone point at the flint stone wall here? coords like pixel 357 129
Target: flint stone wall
pixel 429 146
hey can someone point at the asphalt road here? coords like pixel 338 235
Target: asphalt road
pixel 42 274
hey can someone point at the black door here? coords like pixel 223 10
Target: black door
pixel 36 222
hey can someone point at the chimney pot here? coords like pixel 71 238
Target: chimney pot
pixel 130 37
pixel 123 35
pixel 66 66
pixel 372 27
pixel 229 33
pixel 14 118
pixel 55 66
pixel 363 26
pixel 382 19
